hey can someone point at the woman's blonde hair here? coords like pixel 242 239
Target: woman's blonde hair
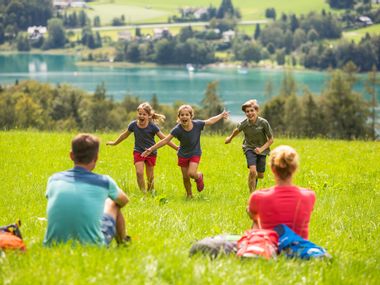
pixel 182 107
pixel 284 161
pixel 157 118
pixel 249 103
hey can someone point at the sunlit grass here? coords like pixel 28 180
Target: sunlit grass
pixel 344 175
pixel 158 11
pixel 357 35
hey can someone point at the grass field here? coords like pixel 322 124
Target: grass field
pixel 357 35
pixel 158 11
pixel 344 175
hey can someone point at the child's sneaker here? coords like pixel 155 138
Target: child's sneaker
pixel 200 184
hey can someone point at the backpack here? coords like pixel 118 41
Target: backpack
pixel 11 238
pixel 294 246
pixel 216 245
pixel 258 242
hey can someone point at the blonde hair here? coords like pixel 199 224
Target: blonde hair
pixel 249 103
pixel 284 161
pixel 182 107
pixel 149 110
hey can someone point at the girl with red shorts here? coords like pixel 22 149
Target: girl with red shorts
pixel 144 129
pixel 188 132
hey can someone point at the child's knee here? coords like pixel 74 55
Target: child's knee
pixel 253 173
pixel 140 173
pixel 193 175
pixel 260 175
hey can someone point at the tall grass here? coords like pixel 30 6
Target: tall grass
pixel 344 175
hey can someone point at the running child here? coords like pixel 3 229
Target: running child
pixel 258 137
pixel 144 129
pixel 188 132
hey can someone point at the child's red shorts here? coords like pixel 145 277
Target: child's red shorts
pixel 149 160
pixel 184 162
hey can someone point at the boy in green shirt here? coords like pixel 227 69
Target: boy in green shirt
pixel 258 137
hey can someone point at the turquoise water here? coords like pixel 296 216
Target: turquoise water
pixel 170 84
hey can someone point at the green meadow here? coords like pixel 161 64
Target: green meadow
pixel 136 11
pixel 344 174
pixel 357 35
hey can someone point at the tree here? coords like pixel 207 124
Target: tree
pixel 371 84
pixel 133 52
pixel 270 13
pixel 288 84
pixel 274 112
pixel 28 112
pixel 225 9
pixel 341 4
pixel 164 50
pixel 96 22
pixel 56 34
pixel 22 42
pixel 293 115
pixel 346 111
pixel 257 32
pixel 311 116
pixel 212 105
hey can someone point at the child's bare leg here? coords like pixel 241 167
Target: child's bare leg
pixel 112 209
pixel 149 170
pixel 192 170
pixel 186 181
pixel 140 175
pixel 252 178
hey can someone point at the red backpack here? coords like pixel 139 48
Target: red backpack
pixel 258 242
pixel 11 238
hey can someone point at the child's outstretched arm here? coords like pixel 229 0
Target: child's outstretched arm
pixel 122 137
pixel 157 145
pixel 171 144
pixel 213 120
pixel 234 133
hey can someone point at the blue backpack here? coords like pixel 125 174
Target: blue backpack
pixel 294 246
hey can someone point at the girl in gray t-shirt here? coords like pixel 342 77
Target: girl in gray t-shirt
pixel 188 132
pixel 144 130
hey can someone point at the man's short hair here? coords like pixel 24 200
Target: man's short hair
pixel 85 148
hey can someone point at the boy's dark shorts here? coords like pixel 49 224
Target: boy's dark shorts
pixel 108 228
pixel 255 159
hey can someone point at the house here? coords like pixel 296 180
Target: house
pixel 228 35
pixel 60 4
pixel 198 13
pixel 160 33
pixel 366 21
pixel 36 32
pixel 124 35
pixel 78 4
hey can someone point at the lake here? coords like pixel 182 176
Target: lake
pixel 170 84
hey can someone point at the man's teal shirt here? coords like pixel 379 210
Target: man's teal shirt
pixel 75 207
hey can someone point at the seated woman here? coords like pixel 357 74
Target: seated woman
pixel 283 203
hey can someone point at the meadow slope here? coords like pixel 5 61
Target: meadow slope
pixel 344 175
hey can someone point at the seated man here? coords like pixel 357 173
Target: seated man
pixel 83 206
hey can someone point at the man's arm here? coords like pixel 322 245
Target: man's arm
pixel 213 120
pixel 234 133
pixel 122 199
pixel 122 137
